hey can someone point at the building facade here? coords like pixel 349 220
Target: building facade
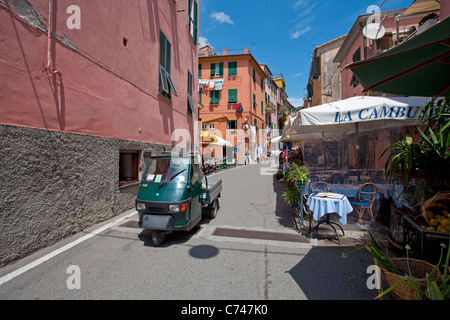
pixel 324 83
pixel 231 91
pixel 87 93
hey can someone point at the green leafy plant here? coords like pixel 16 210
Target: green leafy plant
pixel 438 284
pixel 436 136
pixel 291 196
pixel 432 152
pixel 406 158
pixel 297 173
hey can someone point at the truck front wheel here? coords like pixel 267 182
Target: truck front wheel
pixel 158 237
pixel 213 210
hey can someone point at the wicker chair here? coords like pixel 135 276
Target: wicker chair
pixel 364 200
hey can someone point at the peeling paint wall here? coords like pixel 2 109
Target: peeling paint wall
pixel 27 12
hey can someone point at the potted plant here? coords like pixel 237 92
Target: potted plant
pixel 291 196
pixel 296 178
pixel 298 175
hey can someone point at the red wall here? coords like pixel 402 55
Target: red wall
pixel 105 89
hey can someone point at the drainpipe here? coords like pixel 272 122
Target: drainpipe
pixel 49 40
pixel 397 25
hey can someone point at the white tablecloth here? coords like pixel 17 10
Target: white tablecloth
pixel 337 204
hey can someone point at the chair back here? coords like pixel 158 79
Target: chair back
pixel 321 186
pixel 339 179
pixel 367 192
pixel 314 178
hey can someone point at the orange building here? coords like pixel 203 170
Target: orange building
pixel 231 95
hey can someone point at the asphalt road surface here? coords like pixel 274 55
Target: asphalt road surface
pixel 251 251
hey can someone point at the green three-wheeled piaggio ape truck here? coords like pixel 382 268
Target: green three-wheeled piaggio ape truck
pixel 174 194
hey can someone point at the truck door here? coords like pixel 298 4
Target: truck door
pixel 196 189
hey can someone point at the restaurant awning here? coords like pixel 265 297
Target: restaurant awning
pixel 336 120
pixel 417 67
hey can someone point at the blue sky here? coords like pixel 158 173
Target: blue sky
pixel 282 33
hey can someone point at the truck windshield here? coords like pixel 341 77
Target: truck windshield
pixel 163 169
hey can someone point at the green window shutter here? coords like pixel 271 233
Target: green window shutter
pixel 221 69
pixel 199 70
pixel 232 95
pixel 254 75
pixel 213 69
pixel 199 96
pixel 254 101
pixel 214 94
pixel 262 84
pixel 195 21
pixel 232 68
pixel 262 107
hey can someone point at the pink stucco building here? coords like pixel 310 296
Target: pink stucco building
pixel 356 47
pixel 88 91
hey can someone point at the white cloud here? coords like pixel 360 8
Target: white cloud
pixel 297 33
pixel 221 17
pixel 296 102
pixel 204 42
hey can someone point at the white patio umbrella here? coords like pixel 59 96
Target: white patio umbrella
pixel 338 119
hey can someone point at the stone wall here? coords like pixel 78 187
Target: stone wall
pixel 55 184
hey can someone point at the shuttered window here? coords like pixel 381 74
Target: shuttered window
pixel 193 20
pixel 217 69
pixel 214 95
pixel 232 96
pixel 232 68
pixel 166 85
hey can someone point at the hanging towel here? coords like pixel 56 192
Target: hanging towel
pixel 211 84
pixel 218 84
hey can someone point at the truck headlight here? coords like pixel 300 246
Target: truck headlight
pixel 140 206
pixel 178 207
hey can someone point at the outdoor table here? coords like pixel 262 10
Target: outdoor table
pixel 324 205
pixel 350 190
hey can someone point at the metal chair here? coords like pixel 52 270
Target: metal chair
pixel 339 179
pixel 314 179
pixel 364 200
pixel 321 186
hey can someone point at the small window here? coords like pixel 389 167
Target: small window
pixel 128 167
pixel 232 124
pixel 190 101
pixel 212 126
pixel 217 69
pixel 204 126
pixel 232 95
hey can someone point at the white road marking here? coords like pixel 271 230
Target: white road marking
pixel 47 257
